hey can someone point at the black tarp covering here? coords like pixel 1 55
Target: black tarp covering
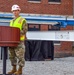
pixel 38 50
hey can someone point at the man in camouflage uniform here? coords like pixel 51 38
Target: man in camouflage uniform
pixel 19 51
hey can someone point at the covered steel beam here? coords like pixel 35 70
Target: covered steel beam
pixel 41 19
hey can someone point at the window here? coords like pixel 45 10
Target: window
pixel 34 0
pixel 54 0
pixel 54 28
pixel 50 28
pixel 33 27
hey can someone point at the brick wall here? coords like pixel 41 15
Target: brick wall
pixel 64 8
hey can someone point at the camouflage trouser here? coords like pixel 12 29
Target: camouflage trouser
pixel 17 53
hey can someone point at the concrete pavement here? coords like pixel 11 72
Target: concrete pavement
pixel 59 66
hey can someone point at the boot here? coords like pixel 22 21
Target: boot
pixel 13 70
pixel 19 71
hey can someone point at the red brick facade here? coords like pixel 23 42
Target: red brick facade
pixel 65 7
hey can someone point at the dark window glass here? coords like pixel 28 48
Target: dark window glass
pixel 54 0
pixel 50 27
pixel 34 0
pixel 33 27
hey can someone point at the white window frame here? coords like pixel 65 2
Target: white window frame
pixel 54 2
pixel 34 1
